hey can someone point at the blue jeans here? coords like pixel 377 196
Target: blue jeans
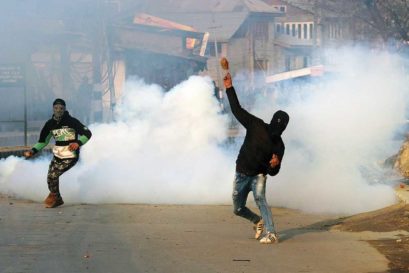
pixel 242 185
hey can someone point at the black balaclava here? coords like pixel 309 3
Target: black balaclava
pixel 58 113
pixel 279 122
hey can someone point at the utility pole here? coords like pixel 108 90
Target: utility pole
pixel 252 55
pixel 216 50
pixel 96 105
pixel 219 80
pixel 109 65
pixel 315 57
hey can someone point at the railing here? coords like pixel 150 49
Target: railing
pixel 19 150
pixel 15 133
pixel 292 41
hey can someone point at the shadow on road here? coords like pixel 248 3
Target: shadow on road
pixel 316 227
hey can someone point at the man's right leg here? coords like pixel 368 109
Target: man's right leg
pixel 56 169
pixel 241 189
pixel 259 191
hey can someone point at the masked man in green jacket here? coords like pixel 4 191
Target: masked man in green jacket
pixel 69 135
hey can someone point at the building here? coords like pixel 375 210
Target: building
pixel 296 38
pixel 241 30
pixel 82 52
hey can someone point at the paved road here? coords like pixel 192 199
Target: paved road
pixel 148 238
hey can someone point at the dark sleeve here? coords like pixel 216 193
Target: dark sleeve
pixel 244 117
pixel 45 131
pixel 44 139
pixel 276 169
pixel 273 171
pixel 83 131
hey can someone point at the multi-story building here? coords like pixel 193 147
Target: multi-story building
pixel 296 37
pixel 241 30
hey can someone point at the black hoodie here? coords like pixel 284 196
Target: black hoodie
pixel 64 131
pixel 262 140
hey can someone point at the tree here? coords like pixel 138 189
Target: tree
pixel 388 19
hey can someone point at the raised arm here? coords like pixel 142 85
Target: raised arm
pixel 244 117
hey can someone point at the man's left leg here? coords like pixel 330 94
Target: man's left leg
pixel 56 169
pixel 241 189
pixel 259 192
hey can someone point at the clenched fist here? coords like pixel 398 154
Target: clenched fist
pixel 274 161
pixel 28 154
pixel 227 81
pixel 73 146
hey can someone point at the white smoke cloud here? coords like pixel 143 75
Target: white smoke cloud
pixel 164 148
pixel 169 147
pixel 339 127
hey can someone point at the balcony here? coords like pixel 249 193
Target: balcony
pixel 289 41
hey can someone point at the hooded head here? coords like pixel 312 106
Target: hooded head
pixel 58 109
pixel 279 122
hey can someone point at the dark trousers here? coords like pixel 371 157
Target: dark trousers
pixel 57 168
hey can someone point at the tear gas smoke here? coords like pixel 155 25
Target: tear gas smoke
pixel 166 147
pixel 341 129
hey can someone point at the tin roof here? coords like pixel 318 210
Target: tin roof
pixel 221 25
pixel 207 6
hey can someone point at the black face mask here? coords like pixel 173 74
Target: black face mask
pixel 58 111
pixel 279 122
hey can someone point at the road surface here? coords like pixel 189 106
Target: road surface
pixel 171 238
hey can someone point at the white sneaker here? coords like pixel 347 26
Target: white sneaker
pixel 269 238
pixel 259 228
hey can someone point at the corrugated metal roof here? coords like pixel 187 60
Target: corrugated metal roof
pixel 150 20
pixel 259 6
pixel 221 18
pixel 220 25
pixel 151 6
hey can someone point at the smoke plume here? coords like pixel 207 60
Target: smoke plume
pixel 171 147
pixel 341 130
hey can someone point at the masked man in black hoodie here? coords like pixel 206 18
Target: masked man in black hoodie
pixel 260 154
pixel 69 134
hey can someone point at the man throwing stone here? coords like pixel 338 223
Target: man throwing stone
pixel 260 154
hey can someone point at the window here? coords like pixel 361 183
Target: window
pixel 278 28
pixel 311 31
pixel 339 28
pixel 281 8
pixel 293 29
pixel 287 63
pixel 299 31
pixel 210 49
pixel 305 31
pixel 287 29
pixel 306 61
pixel 261 65
pixel 335 31
pixel 261 30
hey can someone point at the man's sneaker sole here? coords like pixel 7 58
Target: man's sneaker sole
pixel 269 239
